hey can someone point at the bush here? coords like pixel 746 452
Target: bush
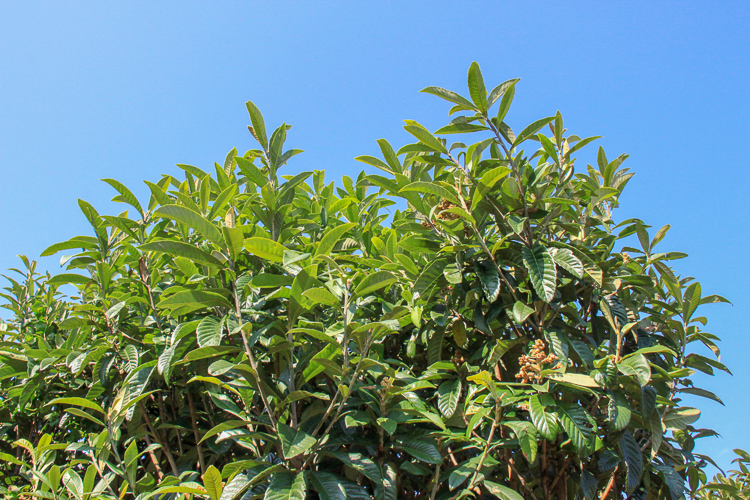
pixel 250 334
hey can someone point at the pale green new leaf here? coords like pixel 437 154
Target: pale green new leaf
pixel 212 482
pixel 265 248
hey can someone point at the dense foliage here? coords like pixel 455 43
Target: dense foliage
pixel 734 485
pixel 246 334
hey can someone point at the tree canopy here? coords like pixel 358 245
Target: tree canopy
pixel 470 322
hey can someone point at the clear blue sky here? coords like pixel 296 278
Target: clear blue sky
pixel 90 90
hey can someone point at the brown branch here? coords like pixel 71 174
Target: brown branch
pixel 164 446
pixel 522 481
pixel 196 433
pixel 611 483
pixel 561 473
pixel 154 461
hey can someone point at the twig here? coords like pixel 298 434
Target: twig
pixel 164 446
pixel 197 435
pixel 611 483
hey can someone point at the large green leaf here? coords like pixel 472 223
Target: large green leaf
pixel 631 453
pixel 195 298
pixel 425 451
pixel 636 366
pixel 501 492
pixel 681 417
pixel 193 220
pixel 442 193
pixel 373 282
pixel 265 248
pixel 294 442
pixel 212 482
pixel 564 258
pixel 576 424
pixel 332 236
pixel 544 419
pixel 287 486
pixel 125 195
pixel 542 273
pixel 329 486
pixel 531 129
pixel 180 249
pixel 259 125
pixel 527 437
pixel 449 393
pixel 476 87
pixel 208 332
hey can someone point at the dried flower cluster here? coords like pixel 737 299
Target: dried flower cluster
pixel 532 364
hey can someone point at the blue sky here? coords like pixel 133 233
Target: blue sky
pixel 126 90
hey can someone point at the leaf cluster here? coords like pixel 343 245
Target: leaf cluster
pixel 459 325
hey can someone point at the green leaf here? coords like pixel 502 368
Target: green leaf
pixel 424 136
pixel 502 109
pixel 532 129
pixel 125 195
pixel 79 242
pixel 542 271
pixel 527 438
pixel 212 482
pixel 636 366
pixel 476 87
pixel 197 299
pixel 544 420
pixel 484 378
pixel 574 421
pixel 209 332
pixel 329 486
pixel 520 312
pixel 631 453
pixel 83 403
pixel 449 393
pixel 235 487
pixel 431 188
pixel 619 412
pixel 680 418
pixel 373 282
pixel 265 248
pixel 489 278
pixel 460 128
pixel 421 450
pixel 287 486
pixel 449 96
pixel 564 258
pixel 221 200
pixel 211 351
pixel 501 90
pixel 293 442
pixel 193 220
pixel 319 295
pixel 332 236
pixel 501 492
pixel 259 126
pixel 453 274
pixel 66 278
pixel 180 249
pixel 224 426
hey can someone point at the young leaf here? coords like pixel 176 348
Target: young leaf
pixel 476 87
